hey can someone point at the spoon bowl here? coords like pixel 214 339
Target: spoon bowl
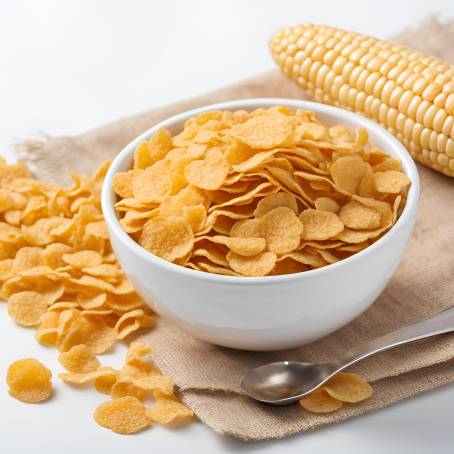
pixel 284 382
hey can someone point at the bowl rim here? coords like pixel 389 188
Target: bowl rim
pixel 409 167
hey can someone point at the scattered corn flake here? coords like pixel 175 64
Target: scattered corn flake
pixel 165 411
pixel 79 378
pixel 348 387
pixel 79 359
pixel 155 382
pixel 125 415
pixel 319 401
pixel 29 380
pixel 125 386
pixel 26 308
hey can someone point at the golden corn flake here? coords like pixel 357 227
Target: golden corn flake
pixel 257 265
pixel 122 183
pixel 320 225
pixel 155 382
pixel 165 411
pixel 319 401
pixel 27 308
pixel 160 144
pixel 348 387
pixel 280 199
pixel 29 380
pixel 80 378
pixel 168 238
pixel 125 415
pixel 80 359
pixel 83 259
pixel 125 386
pixel 153 184
pixel 282 230
pixel 347 172
pixel 241 246
pixel 142 156
pixel 390 181
pixel 264 131
pixel 356 216
pixel 208 173
pixel 327 204
pixel 249 194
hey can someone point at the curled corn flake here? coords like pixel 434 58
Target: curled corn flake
pixel 26 308
pixel 241 246
pixel 280 199
pixel 257 265
pixel 125 415
pixel 79 378
pixel 79 359
pixel 347 172
pixel 142 156
pixel 105 382
pixel 93 331
pixel 195 215
pixel 348 387
pixel 29 380
pixel 83 259
pixel 125 386
pixel 390 181
pixel 168 238
pixel 320 225
pixel 156 382
pixel 327 204
pixel 165 411
pixel 320 401
pixel 247 228
pixel 160 144
pixel 122 183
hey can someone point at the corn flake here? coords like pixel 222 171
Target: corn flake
pixel 29 380
pixel 125 415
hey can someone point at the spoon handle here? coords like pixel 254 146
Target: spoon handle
pixel 441 323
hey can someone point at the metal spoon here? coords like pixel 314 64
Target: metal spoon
pixel 286 382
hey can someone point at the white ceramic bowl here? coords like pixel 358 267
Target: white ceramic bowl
pixel 265 313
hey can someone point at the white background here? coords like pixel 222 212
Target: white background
pixel 67 66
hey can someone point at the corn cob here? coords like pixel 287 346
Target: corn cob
pixel 409 93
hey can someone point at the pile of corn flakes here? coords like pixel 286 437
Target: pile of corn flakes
pixel 259 193
pixel 59 274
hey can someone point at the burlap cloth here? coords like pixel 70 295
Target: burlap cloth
pixel 208 376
